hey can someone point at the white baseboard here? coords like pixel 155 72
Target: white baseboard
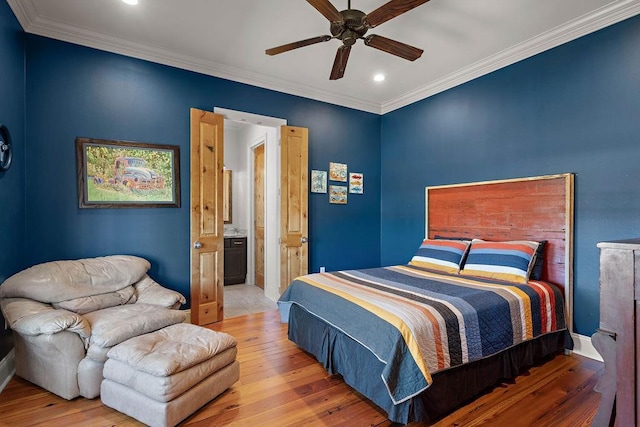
pixel 583 347
pixel 7 369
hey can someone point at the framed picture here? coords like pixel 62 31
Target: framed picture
pixel 122 174
pixel 356 183
pixel 338 194
pixel 318 181
pixel 338 172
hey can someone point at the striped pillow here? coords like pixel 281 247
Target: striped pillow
pixel 441 255
pixel 508 261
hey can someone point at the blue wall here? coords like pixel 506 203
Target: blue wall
pixel 12 115
pixel 76 91
pixel 12 186
pixel 571 109
pixel 575 108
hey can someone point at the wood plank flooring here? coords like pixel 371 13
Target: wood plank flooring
pixel 281 385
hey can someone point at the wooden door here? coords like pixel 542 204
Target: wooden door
pixel 294 187
pixel 207 230
pixel 258 209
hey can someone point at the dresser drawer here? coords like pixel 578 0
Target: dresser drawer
pixel 237 242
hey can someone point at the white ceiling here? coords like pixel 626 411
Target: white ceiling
pixel 462 40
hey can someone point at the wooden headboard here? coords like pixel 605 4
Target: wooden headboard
pixel 535 208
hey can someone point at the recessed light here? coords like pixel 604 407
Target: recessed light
pixel 378 77
pixel 131 2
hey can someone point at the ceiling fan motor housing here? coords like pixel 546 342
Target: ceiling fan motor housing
pixel 350 25
pixel 354 26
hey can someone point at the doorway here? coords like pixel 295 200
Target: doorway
pixel 245 134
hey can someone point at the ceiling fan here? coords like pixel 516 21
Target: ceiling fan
pixel 350 25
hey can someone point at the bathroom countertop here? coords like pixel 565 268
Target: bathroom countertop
pixel 234 235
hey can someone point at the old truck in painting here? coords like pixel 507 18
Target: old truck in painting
pixel 133 173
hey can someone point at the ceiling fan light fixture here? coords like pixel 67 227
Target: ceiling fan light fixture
pixel 379 77
pixel 130 2
pixel 349 25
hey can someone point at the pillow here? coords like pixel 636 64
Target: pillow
pixel 536 271
pixel 466 239
pixel 508 261
pixel 441 255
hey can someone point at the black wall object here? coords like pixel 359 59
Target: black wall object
pixel 5 148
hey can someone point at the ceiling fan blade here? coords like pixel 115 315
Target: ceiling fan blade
pixel 302 43
pixel 391 10
pixel 393 47
pixel 340 63
pixel 327 9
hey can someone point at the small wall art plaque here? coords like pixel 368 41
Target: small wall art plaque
pixel 356 183
pixel 318 181
pixel 338 172
pixel 338 194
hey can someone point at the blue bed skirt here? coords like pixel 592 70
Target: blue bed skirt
pixel 451 388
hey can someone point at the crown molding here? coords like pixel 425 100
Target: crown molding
pixel 32 23
pixel 601 18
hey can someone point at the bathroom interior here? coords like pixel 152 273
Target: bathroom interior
pixel 244 154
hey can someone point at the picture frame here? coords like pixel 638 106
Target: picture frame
pixel 125 174
pixel 338 194
pixel 356 183
pixel 338 172
pixel 318 181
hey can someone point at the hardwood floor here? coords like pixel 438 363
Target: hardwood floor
pixel 281 385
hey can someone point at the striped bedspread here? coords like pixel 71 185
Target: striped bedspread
pixel 419 322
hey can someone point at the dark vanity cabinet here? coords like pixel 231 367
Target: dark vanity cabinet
pixel 235 260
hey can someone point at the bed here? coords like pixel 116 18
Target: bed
pixel 470 309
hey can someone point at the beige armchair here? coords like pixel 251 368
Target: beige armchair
pixel 66 315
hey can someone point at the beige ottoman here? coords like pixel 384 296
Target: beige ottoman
pixel 163 377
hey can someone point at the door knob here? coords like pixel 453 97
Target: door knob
pixel 197 245
pixel 304 239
